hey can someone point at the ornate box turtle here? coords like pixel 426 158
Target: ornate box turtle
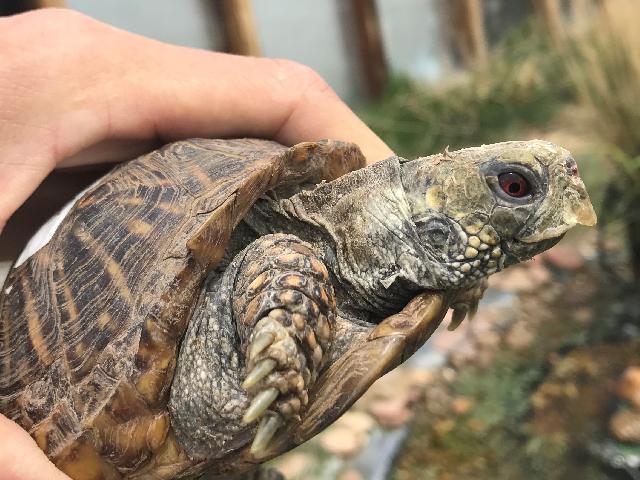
pixel 217 302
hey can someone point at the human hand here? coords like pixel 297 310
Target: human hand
pixel 74 91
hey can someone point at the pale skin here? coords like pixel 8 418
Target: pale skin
pixel 74 91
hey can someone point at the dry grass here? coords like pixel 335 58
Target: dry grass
pixel 603 61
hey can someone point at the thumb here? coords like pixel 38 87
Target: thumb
pixel 20 457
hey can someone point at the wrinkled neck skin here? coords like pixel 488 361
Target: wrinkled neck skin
pixel 361 225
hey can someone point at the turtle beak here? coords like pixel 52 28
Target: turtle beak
pixel 576 210
pixel 580 213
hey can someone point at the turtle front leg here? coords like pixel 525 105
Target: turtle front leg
pixel 466 302
pixel 284 308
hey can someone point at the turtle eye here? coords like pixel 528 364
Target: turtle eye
pixel 514 184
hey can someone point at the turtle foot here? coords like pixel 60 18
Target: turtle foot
pixel 466 303
pixel 278 374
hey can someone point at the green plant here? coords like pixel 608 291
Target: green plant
pixel 522 86
pixel 603 62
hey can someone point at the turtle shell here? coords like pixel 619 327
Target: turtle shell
pixel 90 325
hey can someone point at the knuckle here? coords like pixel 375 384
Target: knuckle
pixel 54 18
pixel 304 78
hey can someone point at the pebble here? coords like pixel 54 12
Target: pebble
pixel 357 421
pixel 625 426
pixel 461 405
pixel 295 464
pixel 444 426
pixel 351 474
pixel 342 441
pixel 392 413
pixel 629 386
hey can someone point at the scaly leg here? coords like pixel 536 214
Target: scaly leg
pixel 284 308
pixel 466 302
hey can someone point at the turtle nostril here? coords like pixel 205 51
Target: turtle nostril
pixel 572 167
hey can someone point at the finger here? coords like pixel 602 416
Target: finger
pixel 20 457
pixel 116 89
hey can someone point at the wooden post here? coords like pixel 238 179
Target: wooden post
pixel 468 27
pixel 550 12
pixel 369 37
pixel 239 25
pixel 51 3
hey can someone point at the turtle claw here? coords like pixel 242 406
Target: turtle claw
pixel 261 402
pixel 261 370
pixel 261 342
pixel 473 309
pixel 459 313
pixel 267 429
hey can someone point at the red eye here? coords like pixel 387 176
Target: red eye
pixel 514 184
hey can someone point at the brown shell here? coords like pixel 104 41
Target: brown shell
pixel 90 324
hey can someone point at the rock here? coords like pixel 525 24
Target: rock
pixel 391 413
pixel 359 422
pixel 351 474
pixel 420 377
pixel 514 279
pixel 629 386
pixel 461 405
pixel 625 426
pixel 564 258
pixel 520 336
pixel 342 441
pixel 295 464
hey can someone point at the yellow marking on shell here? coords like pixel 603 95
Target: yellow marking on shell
pixel 157 432
pixel 103 320
pixel 169 458
pixel 201 175
pixel 140 227
pixel 435 197
pixel 288 258
pixel 258 282
pixel 169 207
pixel 81 461
pixel 131 200
pixel 318 267
pixel 293 281
pixel 34 328
pixel 299 321
pixel 118 278
pixel 41 436
pixel 80 348
pixel 113 268
pixel 157 353
pixel 72 309
pixel 324 329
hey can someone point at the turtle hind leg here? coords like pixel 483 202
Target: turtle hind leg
pixel 285 310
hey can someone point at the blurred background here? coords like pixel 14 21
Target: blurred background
pixel 545 382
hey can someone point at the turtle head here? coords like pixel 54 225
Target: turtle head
pixel 481 209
